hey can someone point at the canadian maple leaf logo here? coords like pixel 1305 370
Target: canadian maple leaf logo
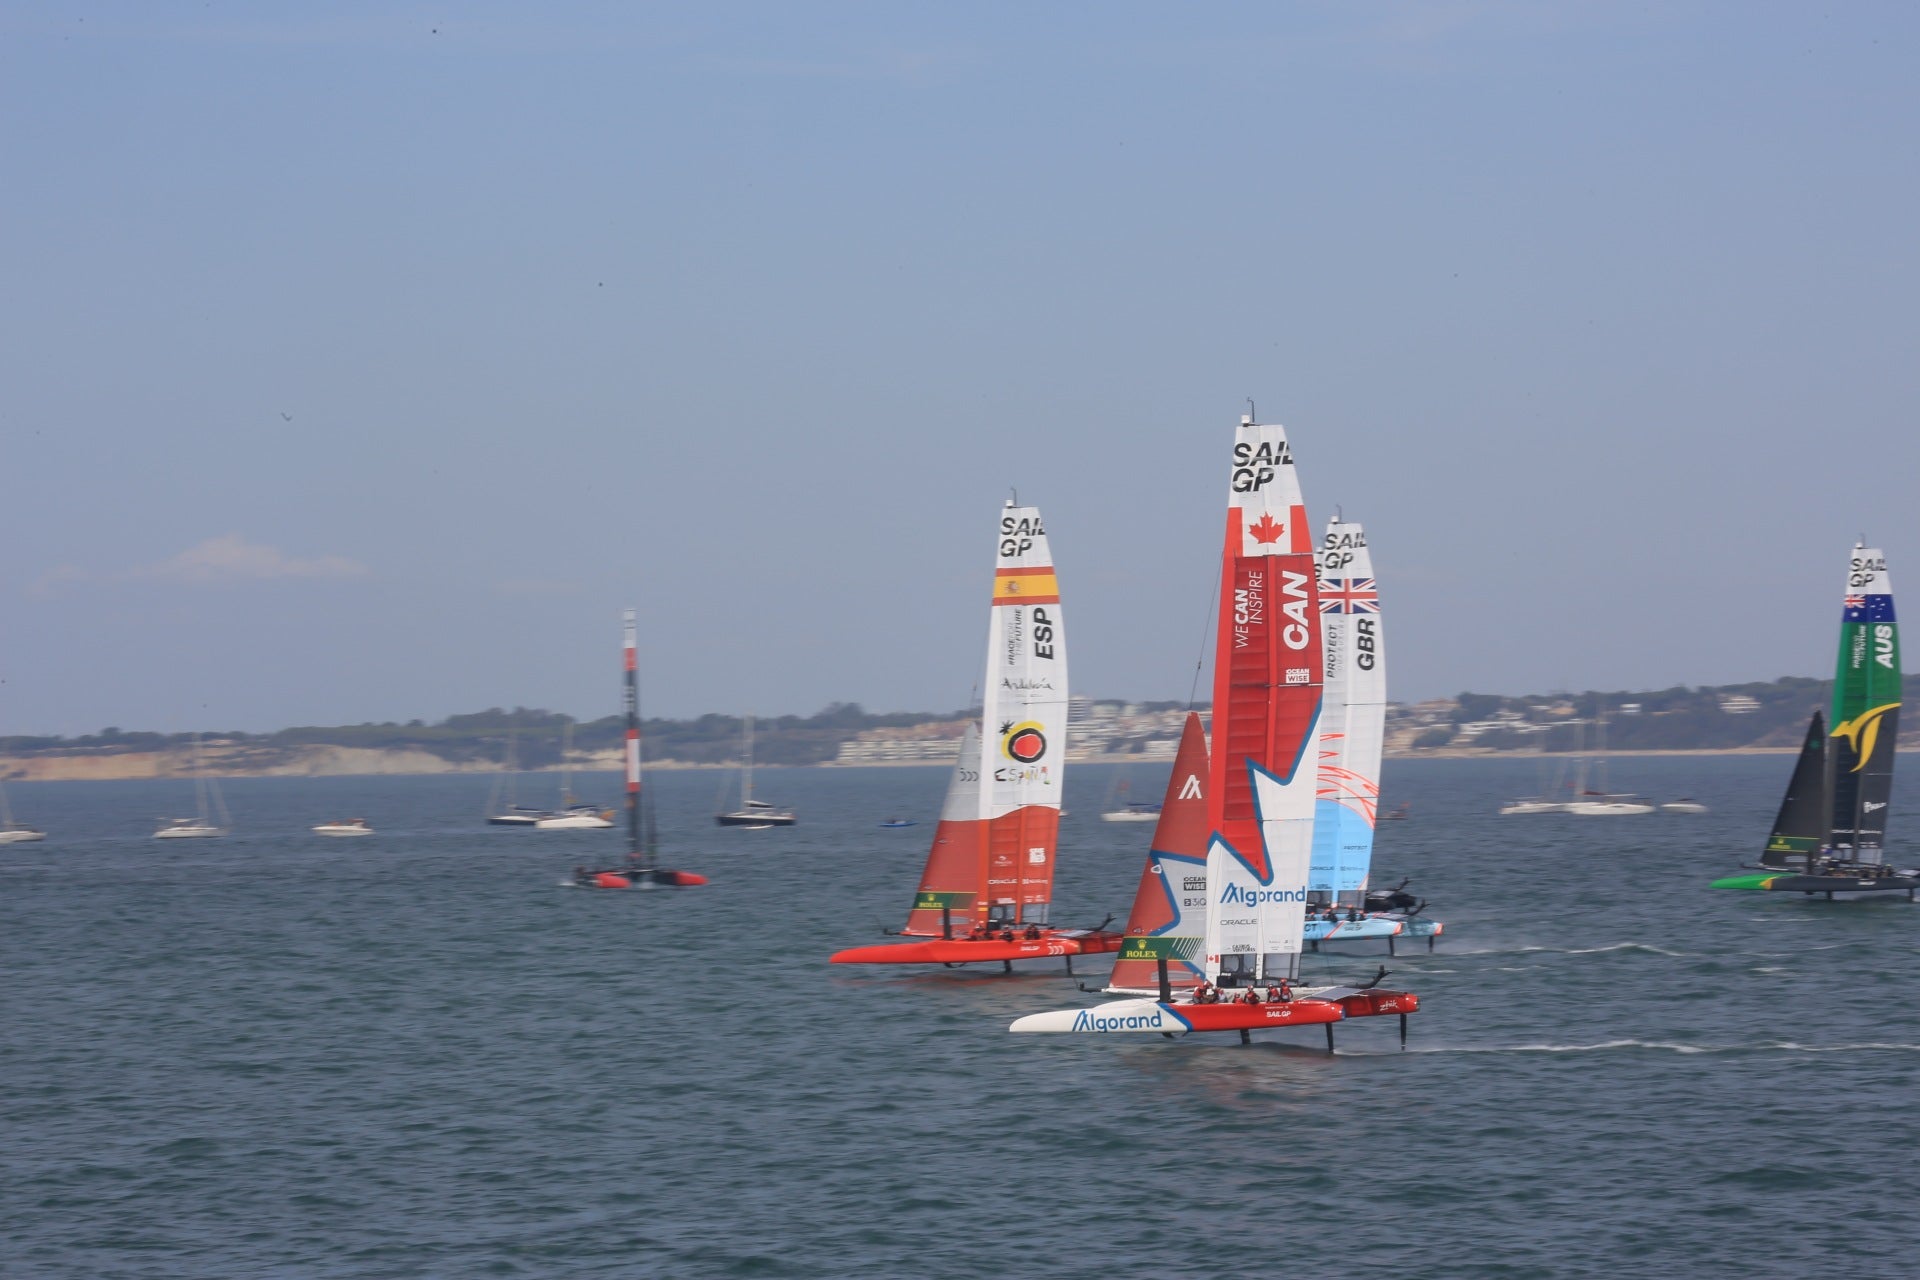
pixel 1266 529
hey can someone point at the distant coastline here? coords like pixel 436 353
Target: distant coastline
pixel 1747 719
pixel 373 763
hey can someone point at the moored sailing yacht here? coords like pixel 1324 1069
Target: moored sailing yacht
pixel 754 815
pixel 1235 920
pixel 1827 838
pixel 211 819
pixel 1121 809
pixel 642 869
pixel 986 893
pixel 12 832
pixel 503 806
pixel 573 814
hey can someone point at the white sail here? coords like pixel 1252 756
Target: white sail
pixel 1023 719
pixel 1024 710
pixel 1353 717
pixel 963 788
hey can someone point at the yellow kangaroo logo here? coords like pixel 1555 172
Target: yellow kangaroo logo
pixel 1861 731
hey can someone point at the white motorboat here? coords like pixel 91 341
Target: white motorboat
pixel 188 829
pixel 1533 806
pixel 573 813
pixel 1684 805
pixel 576 818
pixel 1608 806
pixel 344 827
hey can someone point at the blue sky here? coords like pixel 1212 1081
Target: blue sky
pixel 362 362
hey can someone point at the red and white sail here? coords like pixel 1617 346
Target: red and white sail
pixel 1266 713
pixel 1169 916
pixel 993 854
pixel 1353 717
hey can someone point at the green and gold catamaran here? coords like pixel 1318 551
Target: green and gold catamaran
pixel 1828 836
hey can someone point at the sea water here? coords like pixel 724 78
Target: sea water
pixel 416 1055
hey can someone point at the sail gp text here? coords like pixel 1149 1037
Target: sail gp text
pixel 1254 464
pixel 1017 534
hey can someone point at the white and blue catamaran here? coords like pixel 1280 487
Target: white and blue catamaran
pixel 1353 722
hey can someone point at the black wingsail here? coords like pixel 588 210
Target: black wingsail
pixel 1802 825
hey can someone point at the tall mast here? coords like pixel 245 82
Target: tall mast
pixel 635 846
pixel 746 773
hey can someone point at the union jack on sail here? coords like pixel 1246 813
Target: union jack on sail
pixel 1349 595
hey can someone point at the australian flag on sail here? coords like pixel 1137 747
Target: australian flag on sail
pixel 1868 609
pixel 1359 595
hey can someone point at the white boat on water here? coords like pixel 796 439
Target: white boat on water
pixel 573 813
pixel 1533 805
pixel 1684 804
pixel 344 827
pixel 1120 809
pixel 754 815
pixel 1596 801
pixel 12 832
pixel 1595 805
pixel 503 806
pixel 577 818
pixel 211 819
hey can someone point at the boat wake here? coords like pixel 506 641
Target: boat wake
pixel 1663 1046
pixel 1646 948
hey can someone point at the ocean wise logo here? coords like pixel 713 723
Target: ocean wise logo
pixel 1089 1020
pixel 1862 732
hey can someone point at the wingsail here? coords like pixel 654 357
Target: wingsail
pixel 1266 714
pixel 1353 716
pixel 987 890
pixel 1169 914
pixel 1866 711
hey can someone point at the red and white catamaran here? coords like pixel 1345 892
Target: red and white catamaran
pixel 987 891
pixel 1214 937
pixel 641 869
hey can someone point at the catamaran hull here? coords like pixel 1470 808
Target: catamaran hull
pixel 1133 1017
pixel 1367 929
pixel 1787 882
pixel 976 951
pixel 638 880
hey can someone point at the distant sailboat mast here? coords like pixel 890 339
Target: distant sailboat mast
pixel 636 846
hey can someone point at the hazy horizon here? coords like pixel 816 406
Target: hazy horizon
pixel 361 363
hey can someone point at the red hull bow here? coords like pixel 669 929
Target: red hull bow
pixel 976 950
